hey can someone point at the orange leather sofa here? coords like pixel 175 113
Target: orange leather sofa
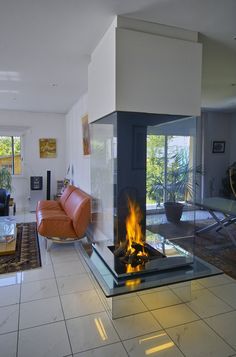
pixel 67 219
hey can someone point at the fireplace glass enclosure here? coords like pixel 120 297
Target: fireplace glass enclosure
pixel 143 165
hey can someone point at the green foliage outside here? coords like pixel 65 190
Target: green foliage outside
pixel 178 182
pixel 6 145
pixel 155 165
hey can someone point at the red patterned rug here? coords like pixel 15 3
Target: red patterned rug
pixel 27 255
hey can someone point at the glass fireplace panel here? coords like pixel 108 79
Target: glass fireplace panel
pixel 103 177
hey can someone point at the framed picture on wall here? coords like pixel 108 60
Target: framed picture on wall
pixel 47 148
pixel 218 147
pixel 86 135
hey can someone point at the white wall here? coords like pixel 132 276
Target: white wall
pixel 157 74
pixel 74 145
pixel 35 126
pixel 102 76
pixel 138 70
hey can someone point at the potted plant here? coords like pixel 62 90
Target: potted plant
pixel 178 186
pixel 5 179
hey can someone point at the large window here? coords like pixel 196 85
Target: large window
pixel 10 154
pixel 168 157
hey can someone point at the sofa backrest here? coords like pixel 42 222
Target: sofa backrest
pixel 78 208
pixel 66 193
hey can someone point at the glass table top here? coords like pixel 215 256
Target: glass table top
pixel 7 228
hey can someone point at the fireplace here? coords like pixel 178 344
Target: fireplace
pixel 118 176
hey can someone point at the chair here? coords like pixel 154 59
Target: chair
pixel 4 202
pixel 232 179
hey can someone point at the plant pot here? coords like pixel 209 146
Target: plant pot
pixel 173 211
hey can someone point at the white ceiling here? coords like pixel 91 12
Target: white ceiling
pixel 45 46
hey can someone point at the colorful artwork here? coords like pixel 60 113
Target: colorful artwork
pixel 47 148
pixel 86 135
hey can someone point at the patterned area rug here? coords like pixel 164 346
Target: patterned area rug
pixel 214 247
pixel 27 254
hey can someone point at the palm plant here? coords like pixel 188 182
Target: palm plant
pixel 179 185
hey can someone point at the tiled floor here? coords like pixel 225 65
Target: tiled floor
pixel 56 311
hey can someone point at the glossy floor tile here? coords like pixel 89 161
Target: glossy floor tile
pixel 114 350
pixel 59 310
pixel 160 299
pixel 73 284
pixel 91 331
pixel 9 295
pixel 225 326
pixel 47 340
pixel 197 339
pixel 158 344
pixel 8 343
pixel 39 312
pixel 40 289
pixel 136 325
pixel 9 318
pixel 206 304
pixel 174 315
pixel 81 304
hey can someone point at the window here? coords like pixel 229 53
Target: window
pixel 10 154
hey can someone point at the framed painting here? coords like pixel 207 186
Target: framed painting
pixel 47 148
pixel 86 135
pixel 218 147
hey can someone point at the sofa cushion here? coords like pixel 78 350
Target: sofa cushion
pixel 55 223
pixel 67 218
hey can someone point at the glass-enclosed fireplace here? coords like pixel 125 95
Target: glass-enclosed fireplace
pixel 142 162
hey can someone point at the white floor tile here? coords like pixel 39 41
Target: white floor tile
pixel 43 273
pixel 68 268
pixel 91 332
pixel 47 340
pixel 68 254
pixel 225 326
pixel 39 312
pixel 197 339
pixel 194 284
pixel 73 284
pixel 160 299
pixel 136 325
pixel 206 304
pixel 114 350
pixel 38 290
pixel 157 344
pixel 10 279
pixel 81 304
pixel 9 318
pixel 8 343
pixel 216 280
pixel 174 315
pixel 227 293
pixel 9 295
pixel 127 306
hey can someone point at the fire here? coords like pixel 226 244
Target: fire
pixel 133 228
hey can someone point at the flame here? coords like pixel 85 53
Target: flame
pixel 133 226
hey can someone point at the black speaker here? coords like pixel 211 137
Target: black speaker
pixel 48 185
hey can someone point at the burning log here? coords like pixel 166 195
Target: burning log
pixel 121 250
